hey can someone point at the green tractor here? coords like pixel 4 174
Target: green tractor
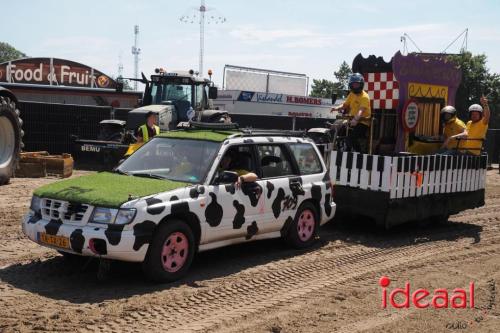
pixel 11 135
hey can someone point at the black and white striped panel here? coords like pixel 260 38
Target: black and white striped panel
pixel 409 176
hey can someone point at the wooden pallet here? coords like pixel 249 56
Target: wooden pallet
pixel 42 164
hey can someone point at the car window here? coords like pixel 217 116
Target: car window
pixel 306 158
pixel 274 161
pixel 238 159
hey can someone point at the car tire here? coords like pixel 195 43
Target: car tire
pixel 303 230
pixel 170 253
pixel 10 138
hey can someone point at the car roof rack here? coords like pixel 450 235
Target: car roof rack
pixel 268 132
pixel 212 126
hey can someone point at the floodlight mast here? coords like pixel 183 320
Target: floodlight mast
pixel 136 51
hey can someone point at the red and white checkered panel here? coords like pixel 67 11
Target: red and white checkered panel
pixel 383 90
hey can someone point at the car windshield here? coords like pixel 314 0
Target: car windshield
pixel 174 159
pixel 162 92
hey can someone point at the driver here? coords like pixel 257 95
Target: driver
pixel 230 163
pixel 358 106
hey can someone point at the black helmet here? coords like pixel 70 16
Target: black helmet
pixel 356 83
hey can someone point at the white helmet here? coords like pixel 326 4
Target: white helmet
pixel 476 108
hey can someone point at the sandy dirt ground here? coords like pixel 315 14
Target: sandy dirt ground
pixel 262 286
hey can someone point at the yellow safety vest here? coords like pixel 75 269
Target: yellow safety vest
pixel 145 132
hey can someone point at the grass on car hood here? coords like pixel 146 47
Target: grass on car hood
pixel 105 189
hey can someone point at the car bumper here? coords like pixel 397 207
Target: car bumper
pixel 93 241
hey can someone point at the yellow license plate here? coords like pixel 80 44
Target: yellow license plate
pixel 57 241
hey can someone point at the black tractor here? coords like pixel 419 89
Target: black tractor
pixel 11 135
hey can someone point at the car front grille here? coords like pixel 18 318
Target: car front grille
pixel 67 212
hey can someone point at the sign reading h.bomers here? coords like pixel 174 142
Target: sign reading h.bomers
pixel 55 72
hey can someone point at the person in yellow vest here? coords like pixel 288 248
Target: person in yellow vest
pixel 358 106
pixel 452 126
pixel 476 128
pixel 149 129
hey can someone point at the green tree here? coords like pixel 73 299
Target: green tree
pixel 476 81
pixel 322 88
pixel 342 75
pixel 8 53
pixel 326 88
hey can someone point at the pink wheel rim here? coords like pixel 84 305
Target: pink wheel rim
pixel 306 225
pixel 175 252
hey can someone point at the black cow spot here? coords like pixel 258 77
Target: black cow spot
pixel 286 226
pixel 53 227
pixel 296 190
pixel 213 213
pixel 154 210
pixel 193 193
pixel 179 208
pixel 35 218
pixel 77 240
pixel 316 192
pixel 277 202
pixel 201 189
pixel 174 198
pixel 143 233
pixel 230 188
pixel 114 233
pixel 270 189
pixel 252 230
pixel 100 246
pixel 290 202
pixel 253 191
pixel 239 218
pixel 248 141
pixel 270 139
pixel 328 208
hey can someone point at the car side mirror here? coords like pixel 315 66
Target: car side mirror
pixel 212 92
pixel 228 177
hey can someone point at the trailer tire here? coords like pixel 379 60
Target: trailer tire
pixel 10 138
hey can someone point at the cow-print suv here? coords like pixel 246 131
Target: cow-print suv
pixel 187 191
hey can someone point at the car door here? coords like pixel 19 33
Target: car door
pixel 283 185
pixel 233 212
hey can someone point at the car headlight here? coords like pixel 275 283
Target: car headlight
pixel 113 216
pixel 35 205
pixel 125 216
pixel 104 215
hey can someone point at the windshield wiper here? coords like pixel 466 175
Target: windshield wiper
pixel 147 175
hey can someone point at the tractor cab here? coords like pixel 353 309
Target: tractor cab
pixel 184 90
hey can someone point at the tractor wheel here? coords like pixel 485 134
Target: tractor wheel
pixel 10 138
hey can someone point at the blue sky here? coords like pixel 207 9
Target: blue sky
pixel 311 37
